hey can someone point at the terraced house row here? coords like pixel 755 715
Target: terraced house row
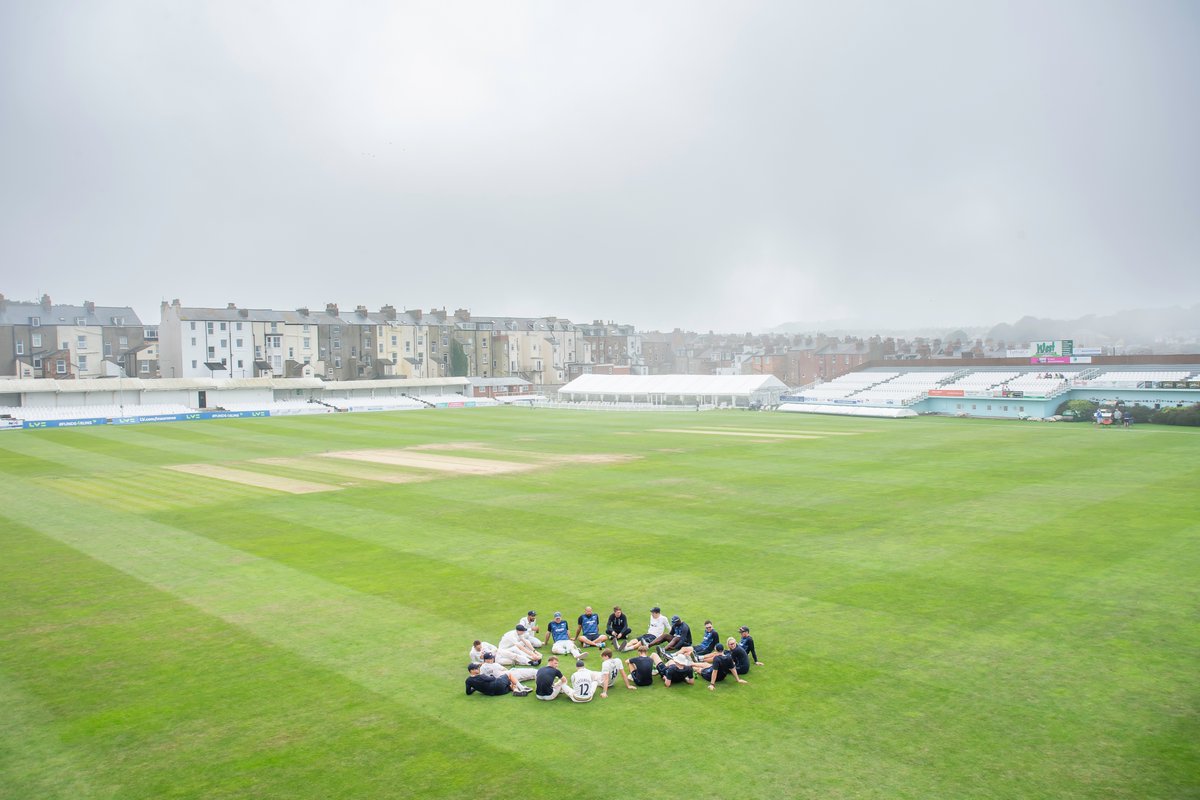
pixel 45 339
pixel 234 342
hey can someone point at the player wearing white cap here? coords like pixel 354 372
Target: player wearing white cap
pixel 531 629
pixel 512 645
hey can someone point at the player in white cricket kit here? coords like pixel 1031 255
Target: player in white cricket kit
pixel 516 648
pixel 656 632
pixel 514 676
pixel 585 683
pixel 610 669
pixel 531 629
pixel 479 648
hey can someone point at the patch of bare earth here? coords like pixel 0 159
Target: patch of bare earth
pixel 340 470
pixel 437 463
pixel 410 457
pixel 246 478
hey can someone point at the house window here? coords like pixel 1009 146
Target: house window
pixel 144 368
pixel 237 326
pixel 212 352
pixel 65 346
pixel 81 342
pixel 306 329
pixel 239 342
pixel 20 347
pixel 60 367
pixel 35 322
pixel 393 341
pixel 82 363
pixel 193 325
pixel 307 342
pixel 152 333
pixel 81 321
pixel 337 362
pixel 37 362
pixel 108 348
pixel 193 341
pixel 223 326
pixel 37 340
pixel 224 343
pixel 291 352
pixel 408 347
pixel 209 327
pixel 274 327
pixel 193 363
pixel 337 344
pixel 123 342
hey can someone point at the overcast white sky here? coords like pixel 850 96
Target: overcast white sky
pixel 712 165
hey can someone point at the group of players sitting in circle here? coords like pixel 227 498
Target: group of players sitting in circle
pixel 499 670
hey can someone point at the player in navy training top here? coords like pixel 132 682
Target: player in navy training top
pixel 709 643
pixel 550 680
pixel 617 627
pixel 641 666
pixel 588 632
pixel 747 644
pixel 560 637
pixel 681 634
pixel 485 684
pixel 722 665
pixel 741 660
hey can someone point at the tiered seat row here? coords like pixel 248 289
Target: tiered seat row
pixel 1133 379
pixel 902 389
pixel 1036 383
pixel 980 381
pixel 846 385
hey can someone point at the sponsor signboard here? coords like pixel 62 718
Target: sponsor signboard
pixel 946 393
pixel 1061 360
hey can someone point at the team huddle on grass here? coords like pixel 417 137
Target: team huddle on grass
pixel 666 649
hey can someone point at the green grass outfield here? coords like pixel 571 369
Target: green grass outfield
pixel 946 608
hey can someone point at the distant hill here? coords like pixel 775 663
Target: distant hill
pixel 1140 326
pixel 1146 327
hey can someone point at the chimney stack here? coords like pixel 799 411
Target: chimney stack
pixel 231 307
pixel 462 314
pixel 89 306
pixel 415 313
pixel 46 302
pixel 361 311
pixel 388 312
pixel 302 311
pixel 331 309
